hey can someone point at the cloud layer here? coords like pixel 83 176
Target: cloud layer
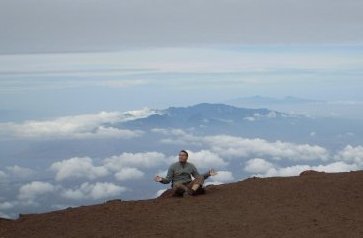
pixel 77 180
pixel 35 189
pixel 239 147
pixel 78 168
pixel 93 191
pixel 91 126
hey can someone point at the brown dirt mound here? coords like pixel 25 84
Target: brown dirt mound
pixel 323 205
pixel 310 172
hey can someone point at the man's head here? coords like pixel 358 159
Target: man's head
pixel 183 156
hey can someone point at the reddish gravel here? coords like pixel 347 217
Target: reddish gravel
pixel 311 205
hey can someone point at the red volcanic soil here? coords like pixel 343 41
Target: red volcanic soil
pixel 310 205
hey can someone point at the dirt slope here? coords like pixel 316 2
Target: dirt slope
pixel 310 205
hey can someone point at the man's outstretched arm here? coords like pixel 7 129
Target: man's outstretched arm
pixel 166 180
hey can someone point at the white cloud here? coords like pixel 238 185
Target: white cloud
pixel 137 114
pixel 93 191
pixel 179 137
pixel 213 183
pixel 249 118
pixel 137 160
pixel 205 159
pixel 7 205
pixel 77 168
pixel 162 173
pixel 158 193
pixel 238 147
pixel 223 177
pixel 61 206
pixel 230 146
pixel 352 155
pixel 336 167
pixel 74 194
pixel 88 126
pixel 258 116
pixel 129 174
pixel 287 171
pixel 258 165
pixel 297 169
pixel 108 132
pixel 20 172
pixel 271 114
pixel 34 189
pixel 4 215
pixel 2 175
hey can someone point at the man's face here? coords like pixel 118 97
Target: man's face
pixel 183 157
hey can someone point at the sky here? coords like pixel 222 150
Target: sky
pixel 68 57
pixel 88 25
pixel 68 68
pixel 44 85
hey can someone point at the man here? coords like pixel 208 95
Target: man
pixel 180 174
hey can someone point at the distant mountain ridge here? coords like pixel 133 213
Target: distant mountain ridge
pixel 209 119
pixel 200 114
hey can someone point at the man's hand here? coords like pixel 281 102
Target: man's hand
pixel 212 172
pixel 158 178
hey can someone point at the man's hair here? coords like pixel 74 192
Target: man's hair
pixel 184 151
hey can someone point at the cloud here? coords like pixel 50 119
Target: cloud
pixel 129 174
pixel 137 160
pixel 159 192
pixel 351 154
pixel 336 167
pixel 233 147
pixel 223 177
pixel 162 173
pixel 258 116
pixel 88 126
pixel 2 175
pixel 4 215
pixel 7 205
pixel 230 146
pixel 258 165
pixel 20 172
pixel 205 159
pixel 297 169
pixel 249 118
pixel 77 167
pixel 287 171
pixel 178 137
pixel 94 191
pixel 35 189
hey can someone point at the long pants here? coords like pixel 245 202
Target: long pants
pixel 180 189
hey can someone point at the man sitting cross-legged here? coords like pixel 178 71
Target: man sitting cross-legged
pixel 180 174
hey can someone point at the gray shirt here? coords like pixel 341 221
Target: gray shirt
pixel 181 173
